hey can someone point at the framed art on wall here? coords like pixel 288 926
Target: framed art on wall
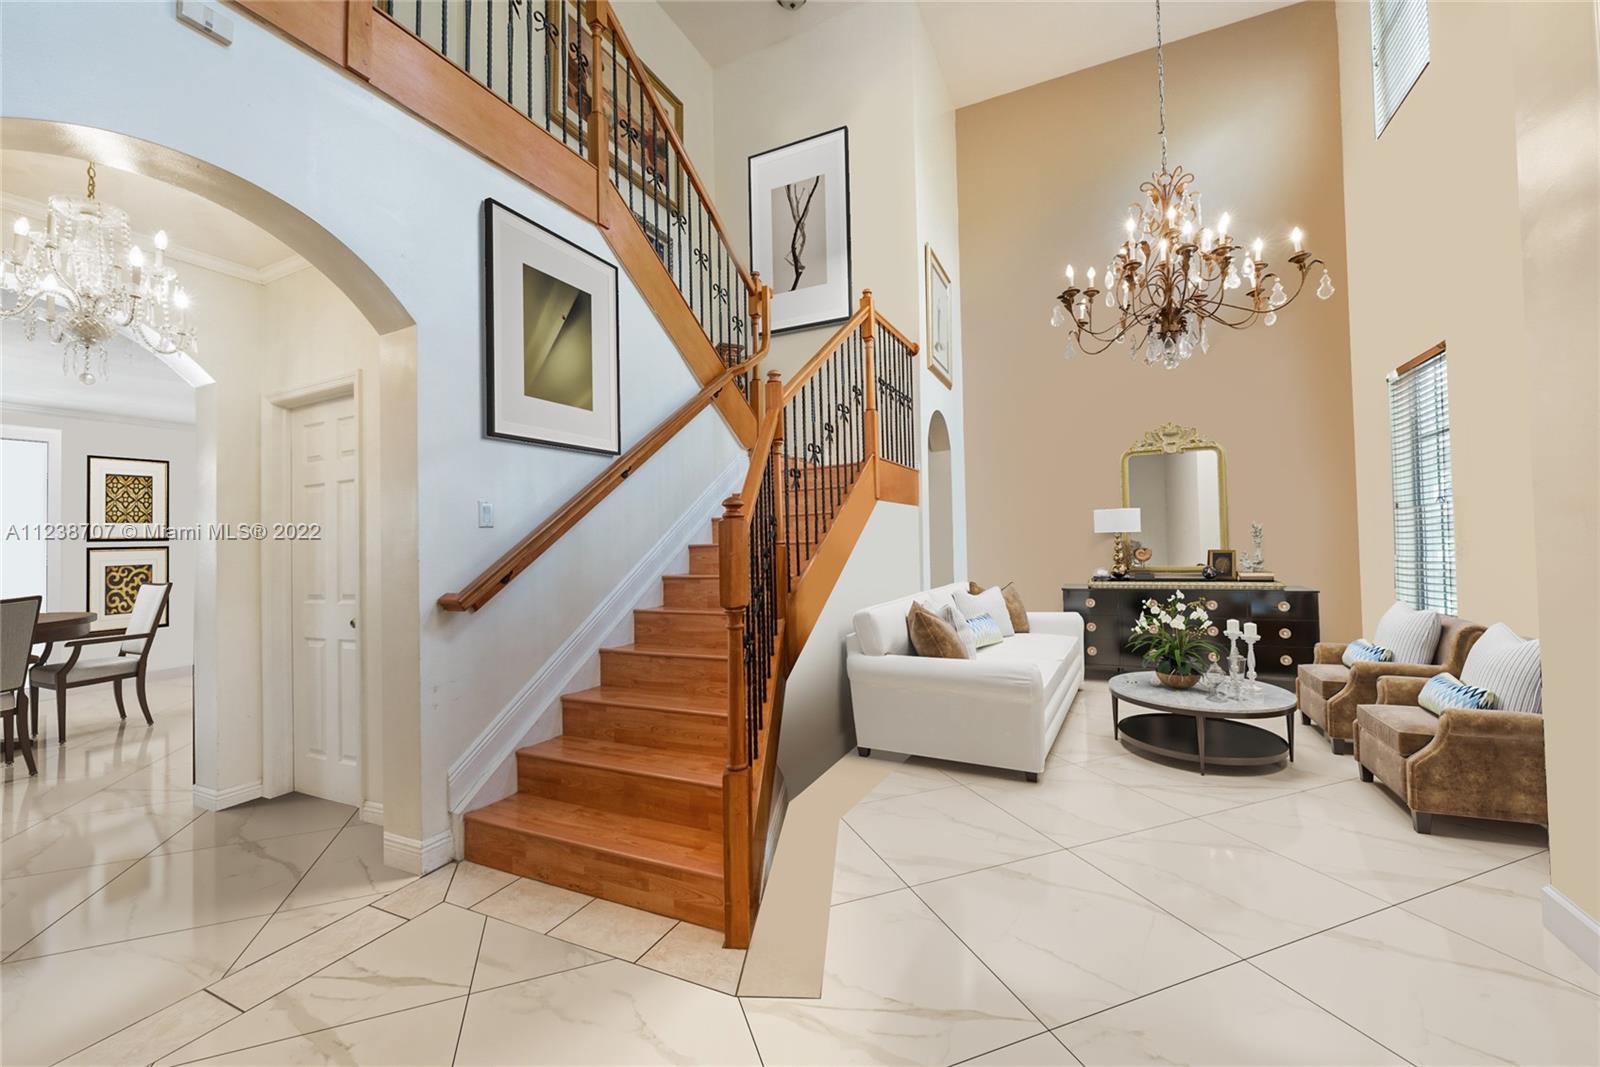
pixel 128 499
pixel 114 577
pixel 551 362
pixel 800 229
pixel 941 321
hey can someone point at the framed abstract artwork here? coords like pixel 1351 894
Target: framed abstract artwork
pixel 551 362
pixel 800 229
pixel 941 321
pixel 128 499
pixel 114 577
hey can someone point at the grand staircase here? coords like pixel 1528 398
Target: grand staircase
pixel 658 792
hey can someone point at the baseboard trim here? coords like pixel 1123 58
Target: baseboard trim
pixel 169 672
pixel 478 764
pixel 219 799
pixel 372 811
pixel 418 857
pixel 1572 926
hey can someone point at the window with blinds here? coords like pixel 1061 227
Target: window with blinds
pixel 1424 507
pixel 1399 54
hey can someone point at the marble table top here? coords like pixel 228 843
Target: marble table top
pixel 1142 688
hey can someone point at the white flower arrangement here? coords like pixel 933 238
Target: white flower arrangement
pixel 1172 636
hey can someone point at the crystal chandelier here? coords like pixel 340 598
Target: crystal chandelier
pixel 1173 275
pixel 85 279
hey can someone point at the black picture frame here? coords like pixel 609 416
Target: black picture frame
pixel 849 254
pixel 88 573
pixel 88 499
pixel 1224 561
pixel 490 204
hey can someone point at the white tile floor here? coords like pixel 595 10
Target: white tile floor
pixel 1119 911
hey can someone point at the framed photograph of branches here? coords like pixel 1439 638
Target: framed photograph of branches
pixel 800 229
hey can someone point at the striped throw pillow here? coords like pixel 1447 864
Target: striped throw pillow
pixel 1509 666
pixel 985 630
pixel 1360 651
pixel 1412 635
pixel 1446 691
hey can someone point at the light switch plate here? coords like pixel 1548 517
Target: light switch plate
pixel 208 18
pixel 485 514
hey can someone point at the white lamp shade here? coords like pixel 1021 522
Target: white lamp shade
pixel 1116 520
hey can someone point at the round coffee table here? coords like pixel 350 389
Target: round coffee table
pixel 1195 728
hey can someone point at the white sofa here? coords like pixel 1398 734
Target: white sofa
pixel 1002 709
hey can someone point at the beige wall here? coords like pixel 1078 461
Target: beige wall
pixel 1438 188
pixel 1557 75
pixel 1045 177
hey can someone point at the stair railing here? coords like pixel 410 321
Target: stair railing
pixel 569 69
pixel 818 440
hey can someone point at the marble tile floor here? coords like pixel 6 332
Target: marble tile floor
pixel 1120 911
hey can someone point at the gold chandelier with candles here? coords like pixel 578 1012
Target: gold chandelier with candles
pixel 1174 276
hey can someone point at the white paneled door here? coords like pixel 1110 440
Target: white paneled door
pixel 326 532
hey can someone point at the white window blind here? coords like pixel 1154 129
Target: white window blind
pixel 1424 507
pixel 1399 54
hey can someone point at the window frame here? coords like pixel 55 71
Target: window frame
pixel 1382 28
pixel 1424 531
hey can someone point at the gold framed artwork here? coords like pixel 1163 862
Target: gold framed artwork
pixel 1223 562
pixel 641 148
pixel 941 321
pixel 114 576
pixel 128 499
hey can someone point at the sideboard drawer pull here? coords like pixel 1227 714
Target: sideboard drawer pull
pixel 1092 650
pixel 1283 605
pixel 1088 601
pixel 1211 631
pixel 1286 633
pixel 1212 656
pixel 1091 626
pixel 1211 605
pixel 1286 659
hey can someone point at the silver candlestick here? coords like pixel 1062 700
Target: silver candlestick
pixel 1250 656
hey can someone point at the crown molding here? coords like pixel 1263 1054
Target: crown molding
pixel 272 272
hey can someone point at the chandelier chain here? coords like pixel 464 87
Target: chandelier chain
pixel 91 181
pixel 1161 86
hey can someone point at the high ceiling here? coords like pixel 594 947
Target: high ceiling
pixel 984 47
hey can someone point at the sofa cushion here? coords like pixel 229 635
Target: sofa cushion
pixel 1053 654
pixel 989 602
pixel 1412 635
pixel 962 628
pixel 1402 728
pixel 1445 691
pixel 933 636
pixel 881 629
pixel 1508 667
pixel 1359 651
pixel 1014 605
pixel 985 630
pixel 1323 679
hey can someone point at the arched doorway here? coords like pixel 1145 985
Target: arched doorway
pixel 337 333
pixel 941 504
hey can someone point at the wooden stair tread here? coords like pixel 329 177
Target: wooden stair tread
pixel 634 698
pixel 677 653
pixel 675 765
pixel 630 836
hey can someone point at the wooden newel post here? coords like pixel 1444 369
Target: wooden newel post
pixel 733 545
pixel 869 344
pixel 599 144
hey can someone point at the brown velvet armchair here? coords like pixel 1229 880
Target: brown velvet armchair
pixel 1328 692
pixel 1474 764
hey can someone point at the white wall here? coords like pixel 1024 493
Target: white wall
pixel 405 200
pixel 673 59
pixel 85 435
pixel 817 727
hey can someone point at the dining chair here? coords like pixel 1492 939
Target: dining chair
pixel 133 659
pixel 17 617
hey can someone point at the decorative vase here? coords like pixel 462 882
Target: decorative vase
pixel 1177 681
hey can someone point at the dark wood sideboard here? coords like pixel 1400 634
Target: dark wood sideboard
pixel 1286 616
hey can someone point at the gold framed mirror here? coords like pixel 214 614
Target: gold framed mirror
pixel 1178 480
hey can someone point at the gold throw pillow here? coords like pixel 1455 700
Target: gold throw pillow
pixel 932 636
pixel 1014 606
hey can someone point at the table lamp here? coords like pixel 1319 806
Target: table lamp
pixel 1117 521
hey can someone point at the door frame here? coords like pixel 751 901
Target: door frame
pixel 54 579
pixel 277 594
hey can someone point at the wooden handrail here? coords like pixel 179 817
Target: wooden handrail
pixel 619 37
pixel 483 588
pixel 897 335
pixel 759 454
